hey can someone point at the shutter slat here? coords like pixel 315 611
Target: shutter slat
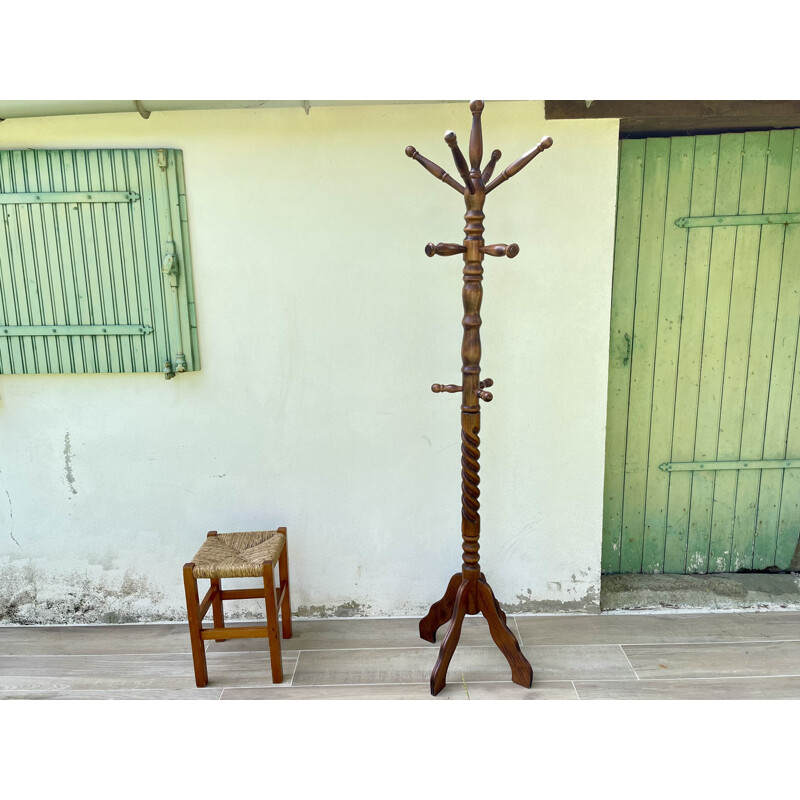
pixel 20 243
pixel 141 274
pixel 63 247
pixel 88 288
pixel 41 258
pixel 7 300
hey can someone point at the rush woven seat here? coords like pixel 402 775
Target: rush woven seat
pixel 245 554
pixel 237 555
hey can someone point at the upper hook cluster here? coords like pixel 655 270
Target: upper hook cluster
pixel 474 179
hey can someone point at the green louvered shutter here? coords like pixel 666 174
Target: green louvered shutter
pixel 95 269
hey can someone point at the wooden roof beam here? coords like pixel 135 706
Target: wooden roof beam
pixel 653 117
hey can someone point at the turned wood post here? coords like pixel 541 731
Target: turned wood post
pixel 469 593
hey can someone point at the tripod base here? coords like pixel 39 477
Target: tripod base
pixel 469 593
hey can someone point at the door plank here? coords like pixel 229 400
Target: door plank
pixel 715 329
pixel 790 496
pixel 651 236
pixel 670 308
pixel 759 369
pixel 783 353
pixel 698 251
pixel 626 249
pixel 736 353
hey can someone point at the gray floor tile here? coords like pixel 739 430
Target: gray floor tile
pixel 547 690
pixel 714 660
pixel 417 691
pixel 414 665
pixel 343 634
pixel 114 694
pixel 94 639
pixel 373 666
pixel 577 662
pixel 713 689
pixel 155 671
pixel 665 628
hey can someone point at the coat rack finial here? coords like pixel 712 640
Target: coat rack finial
pixel 476 136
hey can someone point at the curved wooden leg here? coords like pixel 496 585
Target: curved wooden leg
pixel 500 612
pixel 521 670
pixel 440 611
pixel 450 641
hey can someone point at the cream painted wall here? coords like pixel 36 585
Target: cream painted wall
pixel 322 325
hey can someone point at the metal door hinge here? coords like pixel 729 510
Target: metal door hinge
pixel 737 219
pixel 697 466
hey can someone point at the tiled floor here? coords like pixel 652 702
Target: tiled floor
pixel 608 657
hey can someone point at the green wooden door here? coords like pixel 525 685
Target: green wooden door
pixel 702 466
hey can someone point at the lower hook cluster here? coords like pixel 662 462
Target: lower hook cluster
pixel 451 388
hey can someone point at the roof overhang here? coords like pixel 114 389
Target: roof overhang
pixel 15 109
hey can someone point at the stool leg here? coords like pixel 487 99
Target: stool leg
pixel 283 575
pixel 216 602
pixel 195 625
pixel 216 606
pixel 272 623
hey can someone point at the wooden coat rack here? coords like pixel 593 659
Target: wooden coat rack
pixel 468 591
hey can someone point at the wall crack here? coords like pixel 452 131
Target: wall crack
pixel 10 514
pixel 68 465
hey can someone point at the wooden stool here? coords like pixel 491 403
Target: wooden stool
pixel 252 554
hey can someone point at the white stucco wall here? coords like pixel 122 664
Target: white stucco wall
pixel 322 325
